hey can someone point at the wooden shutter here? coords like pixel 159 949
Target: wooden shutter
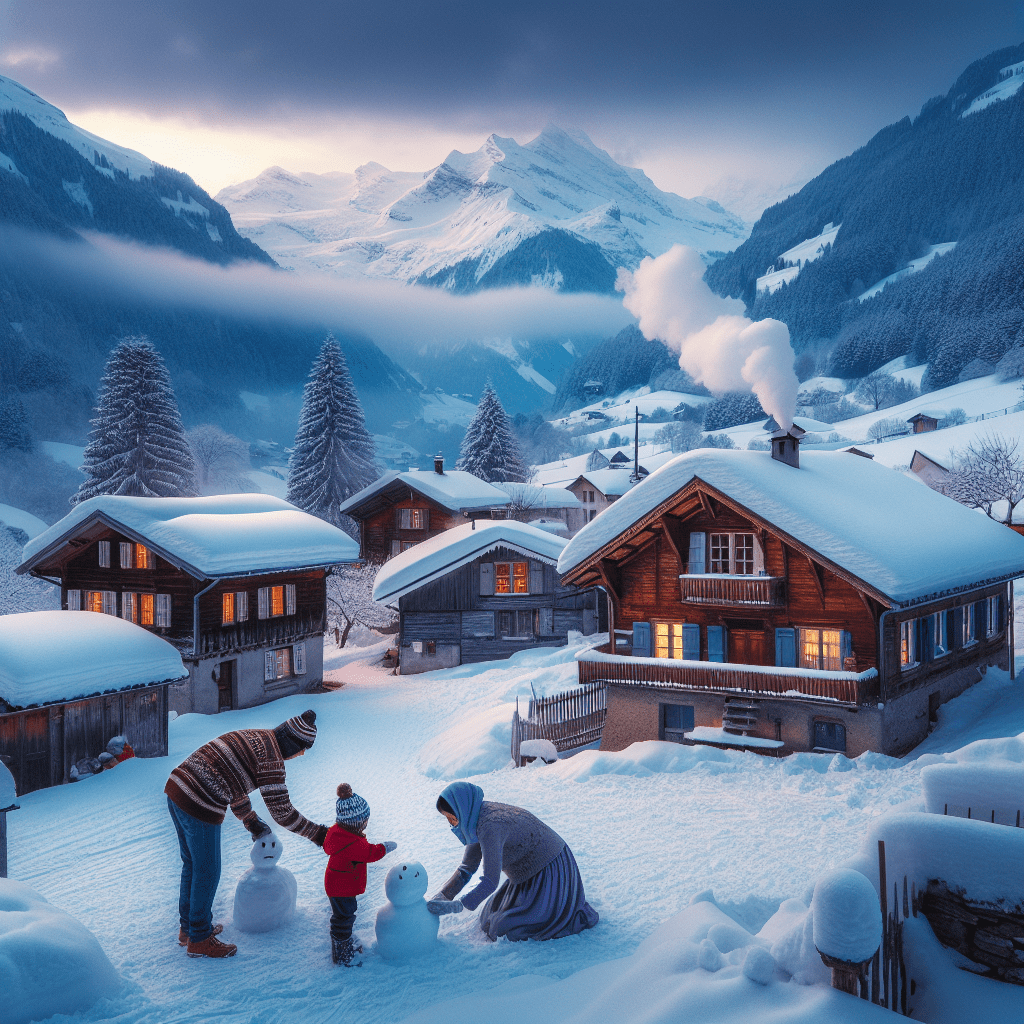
pixel 299 659
pixel 981 619
pixel 128 605
pixel 695 559
pixel 74 600
pixel 716 643
pixel 127 554
pixel 545 622
pixel 163 609
pixel 923 646
pixel 289 599
pixel 691 641
pixel 536 577
pixel 241 606
pixel 263 603
pixel 845 646
pixel 641 639
pixel 785 647
pixel 486 578
pixel 956 636
pixel 104 554
pixel 109 602
pixel 269 665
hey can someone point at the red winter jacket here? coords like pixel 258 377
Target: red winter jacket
pixel 349 855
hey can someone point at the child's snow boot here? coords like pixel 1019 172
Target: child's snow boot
pixel 343 951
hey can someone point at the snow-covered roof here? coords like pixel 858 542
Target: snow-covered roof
pixel 446 552
pixel 539 496
pixel 454 489
pixel 607 481
pixel 906 541
pixel 220 535
pixel 61 655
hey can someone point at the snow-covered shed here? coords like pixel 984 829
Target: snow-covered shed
pixel 479 592
pixel 832 604
pixel 237 582
pixel 399 509
pixel 69 682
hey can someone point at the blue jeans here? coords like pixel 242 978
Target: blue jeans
pixel 343 916
pixel 200 871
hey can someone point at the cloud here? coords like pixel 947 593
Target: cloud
pixel 717 345
pixel 40 57
pixel 391 314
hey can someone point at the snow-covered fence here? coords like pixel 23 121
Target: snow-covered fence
pixel 569 720
pixel 8 795
pixel 987 792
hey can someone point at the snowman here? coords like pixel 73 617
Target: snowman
pixel 405 928
pixel 265 894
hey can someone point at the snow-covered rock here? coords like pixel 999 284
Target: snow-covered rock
pixel 847 916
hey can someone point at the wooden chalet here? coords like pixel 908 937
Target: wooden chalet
pixel 236 582
pixel 596 489
pixel 70 682
pixel 786 602
pixel 481 592
pixel 399 510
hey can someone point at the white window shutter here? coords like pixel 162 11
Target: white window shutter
pixel 104 554
pixel 486 578
pixel 128 606
pixel 74 600
pixel 299 659
pixel 241 606
pixel 163 610
pixel 127 553
pixel 263 602
pixel 289 599
pixel 536 577
pixel 109 602
pixel 269 666
pixel 695 558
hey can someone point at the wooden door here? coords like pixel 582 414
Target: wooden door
pixel 748 647
pixel 225 685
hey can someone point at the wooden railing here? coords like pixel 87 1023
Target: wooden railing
pixel 850 688
pixel 732 591
pixel 260 632
pixel 570 720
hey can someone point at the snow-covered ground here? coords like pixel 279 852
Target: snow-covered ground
pixel 651 827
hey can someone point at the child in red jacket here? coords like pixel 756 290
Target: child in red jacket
pixel 345 877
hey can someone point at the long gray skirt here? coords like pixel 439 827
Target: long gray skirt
pixel 548 905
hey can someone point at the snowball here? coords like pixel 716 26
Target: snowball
pixel 759 965
pixel 709 956
pixel 50 963
pixel 847 916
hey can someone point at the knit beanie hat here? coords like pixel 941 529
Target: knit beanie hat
pixel 301 728
pixel 351 808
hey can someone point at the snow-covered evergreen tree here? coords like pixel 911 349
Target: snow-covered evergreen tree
pixel 137 443
pixel 490 449
pixel 333 455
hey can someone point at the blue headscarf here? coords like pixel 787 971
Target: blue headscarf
pixel 464 799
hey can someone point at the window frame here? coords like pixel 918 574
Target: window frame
pixel 908 645
pixel 518 583
pixel 833 725
pixel 738 542
pixel 821 657
pixel 673 635
pixel 413 518
pixel 968 625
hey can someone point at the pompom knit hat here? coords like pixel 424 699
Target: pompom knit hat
pixel 351 808
pixel 301 728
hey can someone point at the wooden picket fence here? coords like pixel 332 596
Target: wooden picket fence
pixel 569 720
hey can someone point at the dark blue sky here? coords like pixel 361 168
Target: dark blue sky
pixel 765 90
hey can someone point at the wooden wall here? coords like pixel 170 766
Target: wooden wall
pixel 378 531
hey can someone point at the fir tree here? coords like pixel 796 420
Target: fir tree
pixel 137 443
pixel 490 449
pixel 334 453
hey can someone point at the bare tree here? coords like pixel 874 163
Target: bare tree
pixel 882 390
pixel 222 460
pixel 988 471
pixel 680 436
pixel 889 426
pixel 350 601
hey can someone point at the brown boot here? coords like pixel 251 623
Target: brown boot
pixel 211 946
pixel 183 934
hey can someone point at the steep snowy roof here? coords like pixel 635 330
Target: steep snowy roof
pixel 447 551
pixel 215 536
pixel 905 540
pixel 538 496
pixel 454 489
pixel 607 481
pixel 60 655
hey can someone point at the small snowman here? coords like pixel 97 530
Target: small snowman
pixel 405 928
pixel 265 894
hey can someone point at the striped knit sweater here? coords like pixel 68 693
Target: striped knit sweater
pixel 226 770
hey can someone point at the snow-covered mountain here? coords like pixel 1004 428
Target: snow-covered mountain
pixel 466 223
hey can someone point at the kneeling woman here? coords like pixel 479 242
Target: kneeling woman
pixel 542 897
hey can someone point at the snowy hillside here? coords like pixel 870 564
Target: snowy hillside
pixel 476 207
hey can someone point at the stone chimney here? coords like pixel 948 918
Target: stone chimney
pixel 439 464
pixel 786 445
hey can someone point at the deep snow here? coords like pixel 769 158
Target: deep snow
pixel 650 827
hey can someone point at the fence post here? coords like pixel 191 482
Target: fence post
pixel 515 736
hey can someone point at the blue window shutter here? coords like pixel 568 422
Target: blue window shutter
pixel 641 639
pixel 980 619
pixel 846 648
pixel 956 626
pixel 716 643
pixel 926 638
pixel 785 648
pixel 691 641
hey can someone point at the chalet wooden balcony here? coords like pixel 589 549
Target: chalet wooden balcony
pixel 260 633
pixel 723 591
pixel 847 687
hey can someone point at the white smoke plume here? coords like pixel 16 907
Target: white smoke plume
pixel 717 345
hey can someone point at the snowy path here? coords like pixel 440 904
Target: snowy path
pixel 753 829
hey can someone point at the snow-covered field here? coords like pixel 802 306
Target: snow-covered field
pixel 651 827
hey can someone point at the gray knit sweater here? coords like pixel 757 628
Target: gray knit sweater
pixel 510 840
